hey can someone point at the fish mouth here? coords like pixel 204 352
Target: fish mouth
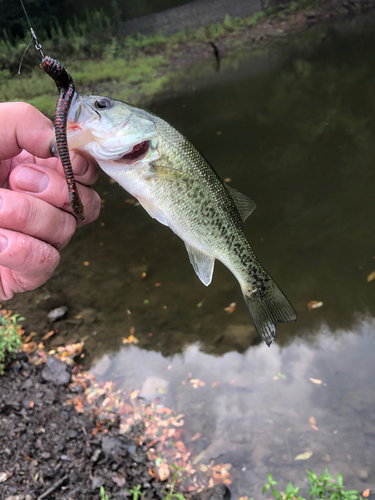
pixel 137 153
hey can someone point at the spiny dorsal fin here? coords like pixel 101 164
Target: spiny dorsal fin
pixel 244 204
pixel 202 263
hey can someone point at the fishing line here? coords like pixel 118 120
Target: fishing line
pixel 38 45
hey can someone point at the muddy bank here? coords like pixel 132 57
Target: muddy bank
pixel 65 436
pixel 48 450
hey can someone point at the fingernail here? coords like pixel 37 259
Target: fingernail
pixel 3 243
pixel 29 179
pixel 53 148
pixel 80 164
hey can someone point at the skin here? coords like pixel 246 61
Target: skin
pixel 36 219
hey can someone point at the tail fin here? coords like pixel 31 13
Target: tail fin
pixel 267 307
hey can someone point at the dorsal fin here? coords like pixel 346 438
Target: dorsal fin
pixel 244 204
pixel 202 263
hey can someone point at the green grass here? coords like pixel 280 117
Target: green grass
pixel 10 340
pixel 325 487
pixel 94 52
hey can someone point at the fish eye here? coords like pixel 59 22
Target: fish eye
pixel 103 103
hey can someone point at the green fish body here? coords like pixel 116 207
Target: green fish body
pixel 177 186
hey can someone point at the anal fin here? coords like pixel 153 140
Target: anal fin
pixel 203 264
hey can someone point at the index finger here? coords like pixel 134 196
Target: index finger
pixel 24 127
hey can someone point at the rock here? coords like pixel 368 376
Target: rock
pixel 45 455
pixel 58 313
pixel 109 444
pixel 56 371
pixel 3 477
pixel 97 482
pixel 218 492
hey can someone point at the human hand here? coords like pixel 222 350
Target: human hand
pixel 36 220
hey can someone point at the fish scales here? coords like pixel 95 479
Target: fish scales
pixel 177 186
pixel 207 217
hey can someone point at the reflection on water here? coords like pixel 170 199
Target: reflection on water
pixel 259 421
pixel 296 134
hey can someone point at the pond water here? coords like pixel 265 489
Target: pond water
pixel 294 129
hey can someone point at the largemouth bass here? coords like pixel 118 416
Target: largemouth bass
pixel 177 186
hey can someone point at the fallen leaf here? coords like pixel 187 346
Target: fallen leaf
pixel 197 383
pixel 152 472
pixel 119 479
pixel 215 384
pixel 163 472
pixel 130 340
pixel 313 304
pixel 371 276
pixel 313 424
pixel 366 493
pixel 196 436
pixel 304 456
pixel 86 263
pixel 157 285
pixel 230 308
pixel 144 275
pixel 48 335
pixel 134 394
pixel 317 381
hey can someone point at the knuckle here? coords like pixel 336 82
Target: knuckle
pixel 24 213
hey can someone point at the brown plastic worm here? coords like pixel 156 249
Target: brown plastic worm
pixel 65 85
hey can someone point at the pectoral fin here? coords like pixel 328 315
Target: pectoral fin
pixel 244 204
pixel 202 263
pixel 155 212
pixel 167 173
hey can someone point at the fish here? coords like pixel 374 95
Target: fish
pixel 177 186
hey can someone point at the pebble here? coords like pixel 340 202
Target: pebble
pixel 3 477
pixel 56 371
pixel 97 482
pixel 57 314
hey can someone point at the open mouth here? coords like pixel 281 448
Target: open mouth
pixel 137 153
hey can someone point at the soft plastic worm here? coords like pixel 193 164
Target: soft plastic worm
pixel 65 85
